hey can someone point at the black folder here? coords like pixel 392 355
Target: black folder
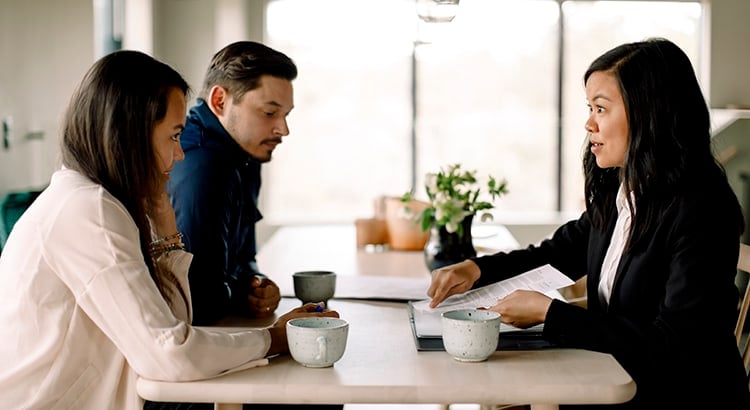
pixel 509 340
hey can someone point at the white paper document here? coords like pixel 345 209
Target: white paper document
pixel 544 279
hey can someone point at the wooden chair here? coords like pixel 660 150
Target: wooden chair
pixel 743 341
pixel 575 294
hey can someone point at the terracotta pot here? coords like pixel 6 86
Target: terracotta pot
pixel 371 231
pixel 403 232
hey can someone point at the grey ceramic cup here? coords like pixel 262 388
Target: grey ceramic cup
pixel 470 335
pixel 314 286
pixel 317 341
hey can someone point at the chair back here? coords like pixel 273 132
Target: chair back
pixel 743 340
pixel 13 205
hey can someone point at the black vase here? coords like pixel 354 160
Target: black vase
pixel 444 248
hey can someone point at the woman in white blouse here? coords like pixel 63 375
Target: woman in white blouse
pixel 93 280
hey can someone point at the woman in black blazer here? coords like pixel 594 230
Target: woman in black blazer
pixel 658 241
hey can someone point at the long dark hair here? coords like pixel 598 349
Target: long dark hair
pixel 107 132
pixel 670 136
pixel 238 67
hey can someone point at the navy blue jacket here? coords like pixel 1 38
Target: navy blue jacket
pixel 673 306
pixel 214 192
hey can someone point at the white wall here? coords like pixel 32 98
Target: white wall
pixel 45 48
pixel 187 33
pixel 730 54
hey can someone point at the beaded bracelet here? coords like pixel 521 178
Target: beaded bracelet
pixel 167 238
pixel 157 251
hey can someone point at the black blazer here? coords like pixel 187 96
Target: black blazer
pixel 673 307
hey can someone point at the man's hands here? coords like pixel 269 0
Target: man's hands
pixel 264 297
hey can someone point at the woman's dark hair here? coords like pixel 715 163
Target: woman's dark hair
pixel 669 135
pixel 238 67
pixel 108 127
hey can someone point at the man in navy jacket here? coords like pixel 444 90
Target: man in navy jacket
pixel 239 118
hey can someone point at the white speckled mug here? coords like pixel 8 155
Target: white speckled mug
pixel 314 286
pixel 470 335
pixel 317 341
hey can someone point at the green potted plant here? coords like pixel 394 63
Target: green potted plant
pixel 455 196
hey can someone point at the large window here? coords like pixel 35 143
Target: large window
pixel 383 98
pixel 350 130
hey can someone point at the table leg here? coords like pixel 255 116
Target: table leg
pixel 545 407
pixel 227 406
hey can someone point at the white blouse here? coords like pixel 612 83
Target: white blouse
pixel 81 316
pixel 616 246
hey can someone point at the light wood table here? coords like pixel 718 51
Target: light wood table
pixel 382 365
pixel 362 273
pixel 333 247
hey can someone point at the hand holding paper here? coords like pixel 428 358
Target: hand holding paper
pixel 544 279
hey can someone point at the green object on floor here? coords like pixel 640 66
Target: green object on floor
pixel 14 204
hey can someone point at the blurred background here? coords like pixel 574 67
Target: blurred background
pixel 383 97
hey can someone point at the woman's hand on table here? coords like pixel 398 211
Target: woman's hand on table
pixel 278 329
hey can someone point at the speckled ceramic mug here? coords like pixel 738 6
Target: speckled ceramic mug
pixel 317 341
pixel 470 335
pixel 314 286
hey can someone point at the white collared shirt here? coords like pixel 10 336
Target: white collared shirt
pixel 81 316
pixel 616 246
